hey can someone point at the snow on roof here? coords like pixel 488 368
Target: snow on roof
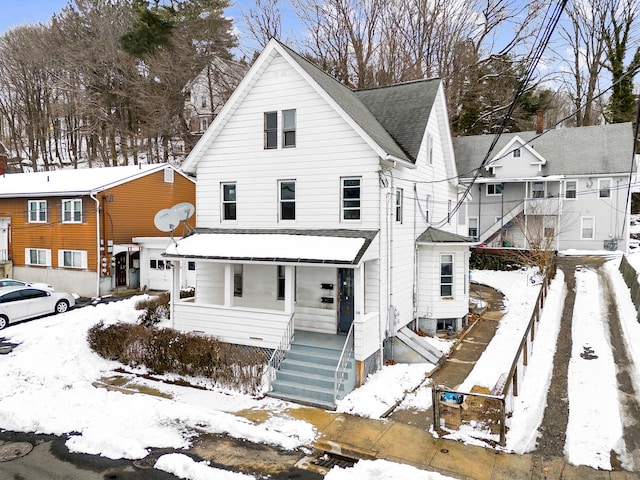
pixel 71 181
pixel 271 246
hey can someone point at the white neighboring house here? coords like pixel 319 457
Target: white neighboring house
pixel 207 93
pixel 325 216
pixel 570 186
pixel 155 270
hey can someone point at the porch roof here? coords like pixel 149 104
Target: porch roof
pixel 434 235
pixel 329 247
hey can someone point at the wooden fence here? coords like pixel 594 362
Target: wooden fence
pixel 483 409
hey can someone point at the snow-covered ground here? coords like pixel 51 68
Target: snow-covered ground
pixel 53 362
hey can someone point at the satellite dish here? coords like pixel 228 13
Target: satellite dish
pixel 184 210
pixel 166 220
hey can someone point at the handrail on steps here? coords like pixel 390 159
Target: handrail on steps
pixel 278 355
pixel 341 368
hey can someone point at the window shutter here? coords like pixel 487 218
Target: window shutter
pixel 83 254
pixel 27 256
pixel 60 258
pixel 48 257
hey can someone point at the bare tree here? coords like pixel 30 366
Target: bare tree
pixel 264 21
pixel 584 66
pixel 344 36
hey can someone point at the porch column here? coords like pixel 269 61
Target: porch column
pixel 175 289
pixel 358 290
pixel 289 286
pixel 228 284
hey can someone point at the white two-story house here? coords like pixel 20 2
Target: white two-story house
pixel 557 189
pixel 325 216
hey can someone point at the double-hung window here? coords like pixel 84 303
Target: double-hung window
pixel 72 211
pixel 570 189
pixel 446 275
pixel 399 201
pixel 288 128
pixel 516 153
pixel 587 228
pixel 287 194
pixel 351 199
pixel 72 258
pixel 37 256
pixel 271 130
pixel 229 201
pixel 604 188
pixel 37 211
pixel 473 227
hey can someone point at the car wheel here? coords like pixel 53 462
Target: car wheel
pixel 62 306
pixel 3 322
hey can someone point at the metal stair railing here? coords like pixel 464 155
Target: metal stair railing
pixel 341 369
pixel 279 354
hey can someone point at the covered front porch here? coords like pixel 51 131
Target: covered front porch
pixel 311 282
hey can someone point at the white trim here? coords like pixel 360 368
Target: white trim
pixel 47 257
pixel 72 211
pixel 83 258
pixel 501 184
pixel 37 211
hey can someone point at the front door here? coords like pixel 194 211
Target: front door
pixel 345 299
pixel 121 269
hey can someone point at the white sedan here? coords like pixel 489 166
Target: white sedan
pixel 10 282
pixel 22 303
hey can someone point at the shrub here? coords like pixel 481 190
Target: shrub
pixel 164 350
pixel 155 309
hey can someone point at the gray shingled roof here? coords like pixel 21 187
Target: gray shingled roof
pixel 598 149
pixel 395 117
pixel 434 235
pixel 403 110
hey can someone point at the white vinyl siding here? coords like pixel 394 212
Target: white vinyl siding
pixel 72 258
pixel 37 256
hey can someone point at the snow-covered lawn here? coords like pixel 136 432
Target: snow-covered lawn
pixel 49 388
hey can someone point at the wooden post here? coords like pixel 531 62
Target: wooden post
pixel 524 354
pixel 514 382
pixel 435 395
pixel 503 422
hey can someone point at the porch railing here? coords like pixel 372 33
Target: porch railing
pixel 278 355
pixel 341 369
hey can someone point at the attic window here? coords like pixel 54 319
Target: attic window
pixel 516 153
pixel 271 130
pixel 168 175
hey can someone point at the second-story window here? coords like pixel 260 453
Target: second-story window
pixel 399 200
pixel 72 211
pixel 229 201
pixel 287 193
pixel 538 190
pixel 350 199
pixel 288 128
pixel 494 189
pixel 37 211
pixel 571 189
pixel 604 188
pixel 271 130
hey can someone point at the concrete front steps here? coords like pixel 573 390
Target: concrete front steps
pixel 307 374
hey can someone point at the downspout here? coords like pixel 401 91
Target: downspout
pixel 479 210
pixel 415 251
pixel 98 255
